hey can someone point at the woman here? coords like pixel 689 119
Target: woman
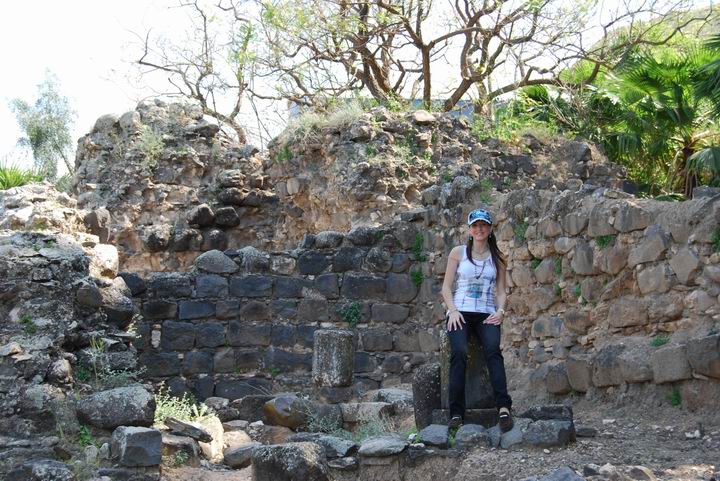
pixel 476 306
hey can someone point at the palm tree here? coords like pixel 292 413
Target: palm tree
pixel 663 123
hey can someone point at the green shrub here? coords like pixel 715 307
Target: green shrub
pixel 180 458
pixel 557 289
pixel 151 145
pixel 675 397
pixel 371 150
pixel 446 177
pixel 15 176
pixel 417 277
pixel 535 263
pixel 274 372
pixel 182 407
pixel 520 229
pixel 715 239
pixel 85 437
pixel 29 325
pixel 604 241
pixel 351 313
pixel 577 290
pixel 284 155
pixel 558 266
pixel 659 340
pixel 486 187
pixel 417 248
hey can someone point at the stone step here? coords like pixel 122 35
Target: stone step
pixel 484 417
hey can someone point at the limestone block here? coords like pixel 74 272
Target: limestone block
pixel 653 246
pixel 213 451
pixel 667 307
pixel 521 275
pixel 547 327
pixel 574 223
pixel 635 362
pixel 576 321
pixel 582 261
pixel 630 217
pixel 653 279
pixel 541 249
pixel 333 357
pixel 627 311
pixel 685 264
pixel 599 222
pixel 670 363
pixel 612 260
pixel 699 301
pixel 563 245
pixel 545 272
pixel 606 370
pixel 579 372
pixel 548 433
pixel 704 355
pixel 557 381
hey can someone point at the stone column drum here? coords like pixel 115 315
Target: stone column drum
pixel 478 390
pixel 333 357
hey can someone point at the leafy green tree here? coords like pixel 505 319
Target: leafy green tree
pixel 46 124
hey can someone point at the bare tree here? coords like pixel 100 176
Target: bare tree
pixel 211 66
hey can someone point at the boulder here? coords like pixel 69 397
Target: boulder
pixel 333 446
pixel 240 457
pixel 548 433
pixel 704 355
pixel 131 405
pixel 685 264
pixel 190 430
pixel 215 262
pixel 472 435
pixel 381 446
pixel 558 412
pixel 289 462
pixel 134 446
pixel 670 364
pixel 287 410
pixel 41 470
pixel 435 435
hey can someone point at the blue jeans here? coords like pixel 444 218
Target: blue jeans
pixel 489 337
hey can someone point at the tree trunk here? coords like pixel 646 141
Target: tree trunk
pixel 427 86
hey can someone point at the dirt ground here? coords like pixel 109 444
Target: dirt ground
pixel 627 436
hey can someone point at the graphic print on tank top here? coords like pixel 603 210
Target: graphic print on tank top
pixel 476 285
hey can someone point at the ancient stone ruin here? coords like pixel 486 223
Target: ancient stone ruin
pixel 295 293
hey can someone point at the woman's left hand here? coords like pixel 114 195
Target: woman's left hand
pixel 494 319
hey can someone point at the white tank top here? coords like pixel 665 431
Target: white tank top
pixel 475 285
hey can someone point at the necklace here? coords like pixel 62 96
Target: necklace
pixel 480 253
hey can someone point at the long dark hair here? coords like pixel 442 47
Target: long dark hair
pixel 497 257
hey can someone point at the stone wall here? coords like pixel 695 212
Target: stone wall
pixel 242 322
pixel 610 291
pixel 597 278
pixel 164 185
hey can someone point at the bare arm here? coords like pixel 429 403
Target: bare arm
pixel 500 296
pixel 455 319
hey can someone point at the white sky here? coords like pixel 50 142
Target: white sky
pixel 85 43
pixel 89 45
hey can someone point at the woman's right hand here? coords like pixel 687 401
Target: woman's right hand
pixel 455 321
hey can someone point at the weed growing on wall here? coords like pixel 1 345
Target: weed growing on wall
pixel 182 407
pixel 151 145
pixel 351 313
pixel 417 248
pixel 417 277
pixel 604 241
pixel 520 229
pixel 659 340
